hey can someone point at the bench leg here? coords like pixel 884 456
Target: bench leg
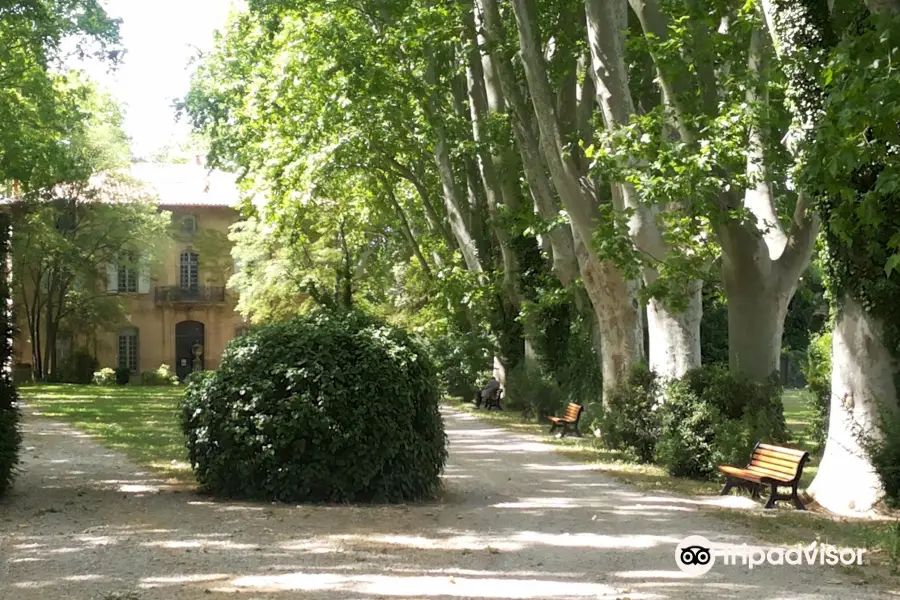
pixel 729 483
pixel 553 427
pixel 754 491
pixel 798 504
pixel 773 496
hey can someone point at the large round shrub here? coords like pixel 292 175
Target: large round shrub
pixel 326 407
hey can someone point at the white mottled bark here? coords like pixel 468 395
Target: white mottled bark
pixel 674 335
pixel 862 376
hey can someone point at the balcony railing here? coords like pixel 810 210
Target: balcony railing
pixel 199 294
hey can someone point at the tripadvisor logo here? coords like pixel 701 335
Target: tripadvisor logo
pixel 695 555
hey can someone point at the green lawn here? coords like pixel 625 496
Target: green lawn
pixel 142 422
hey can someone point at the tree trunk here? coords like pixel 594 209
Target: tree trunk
pixel 49 340
pixel 618 314
pixel 756 312
pixel 493 189
pixel 457 210
pixel 615 299
pixel 862 377
pixel 674 335
pixel 565 265
pixel 407 231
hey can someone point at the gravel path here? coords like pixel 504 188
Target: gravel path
pixel 517 521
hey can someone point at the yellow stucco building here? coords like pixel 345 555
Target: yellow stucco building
pixel 178 311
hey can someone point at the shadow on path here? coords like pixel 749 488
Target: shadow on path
pixel 516 520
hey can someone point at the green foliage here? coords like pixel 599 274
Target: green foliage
pixel 883 449
pixel 161 376
pixel 564 346
pixel 41 109
pixel 105 376
pixel 79 368
pixel 10 443
pixel 123 375
pixel 335 407
pixel 631 421
pixel 817 371
pixel 855 169
pixel 462 363
pixel 531 391
pixel 582 379
pixel 714 322
pixel 806 312
pixel 10 435
pixel 710 417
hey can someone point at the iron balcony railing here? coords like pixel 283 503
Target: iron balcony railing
pixel 201 293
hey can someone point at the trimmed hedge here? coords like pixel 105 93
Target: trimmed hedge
pixel 326 407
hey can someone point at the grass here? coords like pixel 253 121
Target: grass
pixel 783 525
pixel 141 422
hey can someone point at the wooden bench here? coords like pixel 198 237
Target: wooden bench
pixel 569 421
pixel 772 466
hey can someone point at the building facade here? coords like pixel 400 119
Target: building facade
pixel 178 310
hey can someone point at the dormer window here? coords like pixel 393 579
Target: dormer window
pixel 189 224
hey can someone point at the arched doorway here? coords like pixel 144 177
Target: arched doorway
pixel 188 335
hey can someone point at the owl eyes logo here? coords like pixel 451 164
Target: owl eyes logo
pixel 694 555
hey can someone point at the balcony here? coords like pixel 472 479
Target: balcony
pixel 204 294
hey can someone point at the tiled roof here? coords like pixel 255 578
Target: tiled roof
pixel 188 184
pixel 177 185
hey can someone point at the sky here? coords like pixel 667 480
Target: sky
pixel 160 38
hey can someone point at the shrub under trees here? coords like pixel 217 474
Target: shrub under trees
pixel 326 407
pixel 707 418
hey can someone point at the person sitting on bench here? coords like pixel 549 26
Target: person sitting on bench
pixel 488 392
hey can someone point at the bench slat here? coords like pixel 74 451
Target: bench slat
pixel 770 474
pixel 783 450
pixel 791 464
pixel 765 464
pixel 560 420
pixel 740 473
pixel 779 455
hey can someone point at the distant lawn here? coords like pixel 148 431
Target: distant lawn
pixel 798 414
pixel 142 422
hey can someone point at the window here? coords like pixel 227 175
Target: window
pixel 127 275
pixel 189 269
pixel 128 349
pixel 241 331
pixel 127 279
pixel 189 224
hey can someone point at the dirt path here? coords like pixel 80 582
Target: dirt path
pixel 518 521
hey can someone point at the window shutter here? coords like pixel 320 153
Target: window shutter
pixel 144 279
pixel 112 277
